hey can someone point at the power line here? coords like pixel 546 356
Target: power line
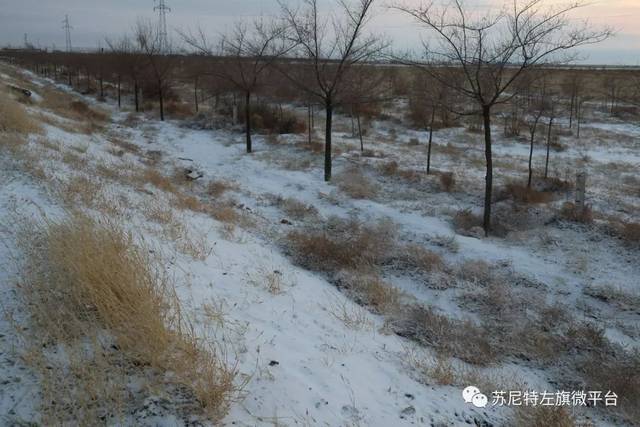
pixel 162 9
pixel 67 27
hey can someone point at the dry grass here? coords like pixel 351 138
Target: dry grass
pixel 14 117
pixel 295 209
pixel 522 194
pixel 368 288
pixel 351 315
pixel 419 258
pixel 449 337
pixel 342 244
pixel 354 183
pixel 158 180
pixel 629 232
pixel 477 271
pixel 98 297
pixel 543 416
pixel 465 220
pixel 70 107
pixel 389 168
pixel 620 373
pixel 78 189
pixel 571 212
pixel 447 181
pixel 217 188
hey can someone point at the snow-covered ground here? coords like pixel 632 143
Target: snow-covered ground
pixel 304 364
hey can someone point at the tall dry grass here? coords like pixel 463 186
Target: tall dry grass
pixel 14 118
pixel 105 314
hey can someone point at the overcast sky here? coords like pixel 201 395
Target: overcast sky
pixel 93 20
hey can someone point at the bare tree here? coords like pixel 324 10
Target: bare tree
pixel 159 60
pixel 247 52
pixel 329 47
pixel 552 111
pixel 493 51
pixel 537 107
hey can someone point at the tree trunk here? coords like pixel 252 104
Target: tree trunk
pixel 578 114
pixel 327 140
pixel 360 132
pixel 119 92
pixel 546 162
pixel 136 99
pixel 309 121
pixel 433 119
pixel 195 93
pixel 247 119
pixel 486 221
pixel 533 136
pixel 101 87
pixel 573 100
pixel 160 95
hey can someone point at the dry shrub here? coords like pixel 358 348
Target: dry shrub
pixel 451 337
pixel 158 212
pixel 79 188
pixel 187 202
pixel 447 181
pixel 217 188
pixel 124 145
pixel 70 107
pixel 12 142
pixel 351 315
pixel 620 373
pixel 389 168
pixel 342 244
pixel 276 120
pixel 629 232
pixel 14 117
pixel 464 220
pixel 523 194
pixel 478 271
pixel 225 212
pixel 419 258
pixel 178 110
pixel 158 180
pixel 623 299
pixel 369 289
pixel 96 296
pixel 354 183
pixel 298 210
pixel 367 152
pixel 543 416
pixel 555 185
pixel 571 212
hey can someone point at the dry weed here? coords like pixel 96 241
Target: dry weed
pixel 355 184
pixel 543 416
pixel 14 117
pixel 217 188
pixel 342 244
pixel 97 295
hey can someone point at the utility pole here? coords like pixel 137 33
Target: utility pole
pixel 162 9
pixel 67 28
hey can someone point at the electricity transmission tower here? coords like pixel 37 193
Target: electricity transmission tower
pixel 67 27
pixel 162 9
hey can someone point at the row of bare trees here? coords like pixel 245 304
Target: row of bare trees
pixel 471 64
